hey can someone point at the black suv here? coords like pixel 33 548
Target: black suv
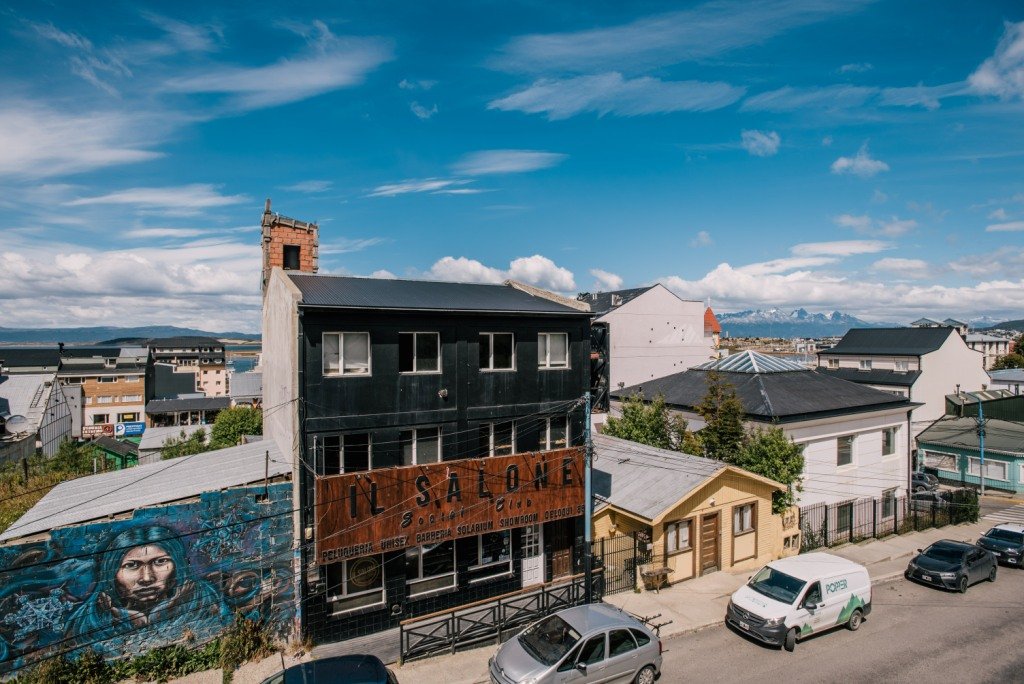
pixel 1006 541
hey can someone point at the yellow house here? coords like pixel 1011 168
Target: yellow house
pixel 689 515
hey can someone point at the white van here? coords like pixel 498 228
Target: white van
pixel 794 597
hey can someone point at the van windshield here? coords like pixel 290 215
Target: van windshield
pixel 549 639
pixel 776 585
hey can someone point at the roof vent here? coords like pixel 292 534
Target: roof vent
pixel 616 300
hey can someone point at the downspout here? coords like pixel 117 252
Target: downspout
pixel 300 474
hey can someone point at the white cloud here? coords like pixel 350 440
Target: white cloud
pixel 331 63
pixel 998 215
pixel 891 227
pixel 422 112
pixel 407 84
pixel 856 68
pixel 1002 74
pixel 151 233
pixel 535 270
pixel 861 224
pixel 1005 262
pixel 905 268
pixel 309 186
pixel 826 141
pixel 786 264
pixel 789 99
pixel 1008 227
pixel 182 200
pixel 928 97
pixel 383 274
pixel 611 93
pixel 506 161
pixel 839 248
pixel 605 280
pixel 862 164
pixel 345 246
pixel 431 185
pixel 702 239
pixel 760 143
pixel 879 197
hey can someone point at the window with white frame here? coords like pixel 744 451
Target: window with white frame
pixel 422 445
pixel 108 378
pixel 994 470
pixel 105 400
pixel 497 351
pixel 677 536
pixel 865 364
pixel 844 450
pixel 493 555
pixel 100 418
pixel 888 503
pixel 346 353
pixel 889 441
pixel 498 439
pixel 127 417
pixel 833 363
pixel 743 519
pixel 419 352
pixel 901 365
pixel 553 350
pixel 556 433
pixel 131 398
pixel 430 568
pixel 355 583
pixel 940 461
pixel 346 453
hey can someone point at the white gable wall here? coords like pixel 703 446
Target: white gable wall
pixel 952 364
pixel 655 335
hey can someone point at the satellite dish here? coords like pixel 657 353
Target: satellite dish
pixel 16 424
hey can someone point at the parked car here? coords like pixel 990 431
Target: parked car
pixel 926 500
pixel 591 643
pixel 1006 542
pixel 952 565
pixel 351 669
pixel 923 482
pixel 791 598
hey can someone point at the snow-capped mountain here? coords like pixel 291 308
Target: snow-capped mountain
pixel 780 323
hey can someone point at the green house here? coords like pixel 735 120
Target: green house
pixel 950 449
pixel 116 454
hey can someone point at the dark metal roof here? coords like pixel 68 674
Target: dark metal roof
pixel 116 447
pixel 29 357
pixel 195 404
pixel 1001 436
pixel 773 397
pixel 184 341
pixel 874 376
pixel 601 302
pixel 89 352
pixel 894 341
pixel 421 295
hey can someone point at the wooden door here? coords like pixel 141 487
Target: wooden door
pixel 709 550
pixel 561 548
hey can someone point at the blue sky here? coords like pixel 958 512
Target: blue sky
pixel 861 156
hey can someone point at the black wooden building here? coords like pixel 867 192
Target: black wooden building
pixel 394 373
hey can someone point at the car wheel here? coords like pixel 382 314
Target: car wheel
pixel 961 586
pixel 919 488
pixel 645 675
pixel 992 573
pixel 855 620
pixel 790 643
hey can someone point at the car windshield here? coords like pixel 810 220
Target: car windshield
pixel 947 554
pixel 549 639
pixel 1005 535
pixel 776 585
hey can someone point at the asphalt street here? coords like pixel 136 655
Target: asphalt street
pixel 914 633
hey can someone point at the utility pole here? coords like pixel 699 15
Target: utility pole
pixel 588 557
pixel 980 420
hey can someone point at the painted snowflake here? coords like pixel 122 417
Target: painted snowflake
pixel 36 615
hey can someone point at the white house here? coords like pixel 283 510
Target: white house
pixel 990 346
pixel 923 364
pixel 1011 379
pixel 652 333
pixel 856 438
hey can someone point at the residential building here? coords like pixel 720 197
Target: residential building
pixel 950 449
pixel 115 454
pixel 652 333
pixel 20 360
pixel 990 346
pixel 1011 379
pixel 34 415
pixel 200 357
pixel 113 381
pixel 700 515
pixel 247 388
pixel 923 364
pixel 855 438
pixel 415 414
pixel 189 409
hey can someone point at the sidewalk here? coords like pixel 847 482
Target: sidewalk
pixel 698 603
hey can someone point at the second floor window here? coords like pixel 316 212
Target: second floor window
pixel 346 453
pixel 865 364
pixel 553 350
pixel 556 433
pixel 347 353
pixel 498 439
pixel 419 352
pixel 422 445
pixel 833 363
pixel 497 351
pixel 901 366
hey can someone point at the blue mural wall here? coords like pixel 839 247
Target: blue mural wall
pixel 170 574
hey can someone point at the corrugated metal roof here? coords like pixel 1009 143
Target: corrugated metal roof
pixel 154 437
pixel 643 479
pixel 421 295
pixel 247 384
pixel 894 341
pixel 753 362
pixel 121 491
pixel 874 376
pixel 185 341
pixel 190 404
pixel 1001 436
pixel 1008 375
pixel 982 337
pixel 26 395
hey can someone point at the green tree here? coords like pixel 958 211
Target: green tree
pixel 232 423
pixel 649 422
pixel 185 444
pixel 723 434
pixel 1014 360
pixel 774 455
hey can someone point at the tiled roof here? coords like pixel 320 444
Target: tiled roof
pixel 891 341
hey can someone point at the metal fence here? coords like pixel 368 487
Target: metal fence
pixel 824 525
pixel 491 619
pixel 620 558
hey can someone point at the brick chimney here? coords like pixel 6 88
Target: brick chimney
pixel 288 244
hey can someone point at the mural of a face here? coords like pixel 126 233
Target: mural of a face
pixel 145 577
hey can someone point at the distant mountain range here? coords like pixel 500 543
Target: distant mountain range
pixel 1017 325
pixel 107 333
pixel 799 323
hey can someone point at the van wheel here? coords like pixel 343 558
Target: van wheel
pixel 645 675
pixel 790 643
pixel 855 620
pixel 962 585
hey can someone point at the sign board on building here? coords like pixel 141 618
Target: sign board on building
pixel 98 430
pixel 129 429
pixel 359 514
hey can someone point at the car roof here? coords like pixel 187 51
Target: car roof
pixel 812 566
pixel 1012 527
pixel 952 544
pixel 352 669
pixel 597 616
